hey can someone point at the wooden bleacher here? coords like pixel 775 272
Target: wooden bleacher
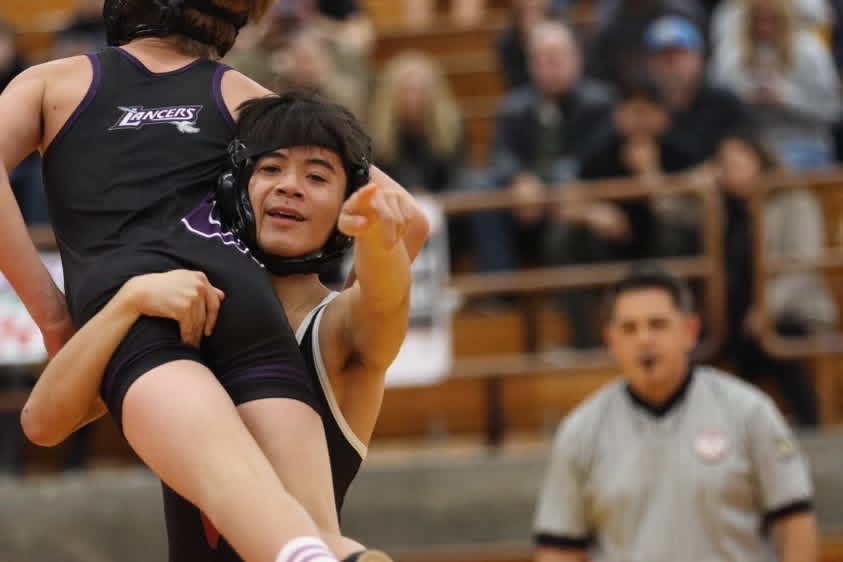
pixel 523 388
pixel 502 381
pixel 28 14
pixel 533 402
pixel 466 54
pixel 481 398
pixel 36 23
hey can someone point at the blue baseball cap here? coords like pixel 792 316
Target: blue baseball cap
pixel 673 32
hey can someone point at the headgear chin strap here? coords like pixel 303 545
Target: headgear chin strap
pixel 167 21
pixel 237 214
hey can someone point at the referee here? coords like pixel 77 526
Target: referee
pixel 675 463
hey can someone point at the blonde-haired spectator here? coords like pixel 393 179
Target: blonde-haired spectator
pixel 814 15
pixel 416 124
pixel 786 74
pixel 416 129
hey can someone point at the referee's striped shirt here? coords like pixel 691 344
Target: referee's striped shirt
pixel 696 481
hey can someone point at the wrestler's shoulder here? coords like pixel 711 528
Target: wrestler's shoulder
pixel 237 88
pixel 59 68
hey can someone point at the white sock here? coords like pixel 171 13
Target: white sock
pixel 305 549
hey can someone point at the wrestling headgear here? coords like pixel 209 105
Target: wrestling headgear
pixel 237 214
pixel 126 20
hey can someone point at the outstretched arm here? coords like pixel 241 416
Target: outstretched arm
pixel 21 116
pixel 66 395
pixel 373 313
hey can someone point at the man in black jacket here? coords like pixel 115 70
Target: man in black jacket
pixel 540 132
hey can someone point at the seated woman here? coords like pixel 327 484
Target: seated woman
pixel 417 132
pixel 297 208
pixel 788 78
pixel 798 303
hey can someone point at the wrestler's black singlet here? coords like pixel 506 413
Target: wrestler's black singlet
pixel 193 539
pixel 142 152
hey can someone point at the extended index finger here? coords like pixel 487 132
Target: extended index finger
pixel 361 200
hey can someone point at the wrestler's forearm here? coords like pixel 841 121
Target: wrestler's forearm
pixel 66 395
pixel 383 273
pixel 22 266
pixel 381 302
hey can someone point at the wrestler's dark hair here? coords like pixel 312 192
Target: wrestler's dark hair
pixel 300 118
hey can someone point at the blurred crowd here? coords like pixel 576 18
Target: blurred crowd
pixel 720 91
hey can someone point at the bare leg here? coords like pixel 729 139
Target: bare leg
pixel 302 445
pixel 181 422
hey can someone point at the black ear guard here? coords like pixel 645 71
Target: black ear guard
pixel 237 214
pixel 236 211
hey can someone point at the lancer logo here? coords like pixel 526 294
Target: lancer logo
pixel 184 117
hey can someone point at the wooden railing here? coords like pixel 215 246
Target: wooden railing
pixel 529 284
pixel 825 348
pixel 707 266
pixel 766 267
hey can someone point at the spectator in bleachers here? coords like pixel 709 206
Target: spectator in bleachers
pixel 416 125
pixel 539 134
pixel 618 46
pixel 510 46
pixel 343 21
pixel 467 12
pixel 251 54
pixel 308 62
pixel 602 9
pixel 85 32
pixel 726 20
pixel 631 143
pixel 422 14
pixel 417 132
pixel 786 74
pixel 304 43
pixel 799 303
pixel 634 144
pixel 701 113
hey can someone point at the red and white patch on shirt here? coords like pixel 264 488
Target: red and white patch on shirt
pixel 711 445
